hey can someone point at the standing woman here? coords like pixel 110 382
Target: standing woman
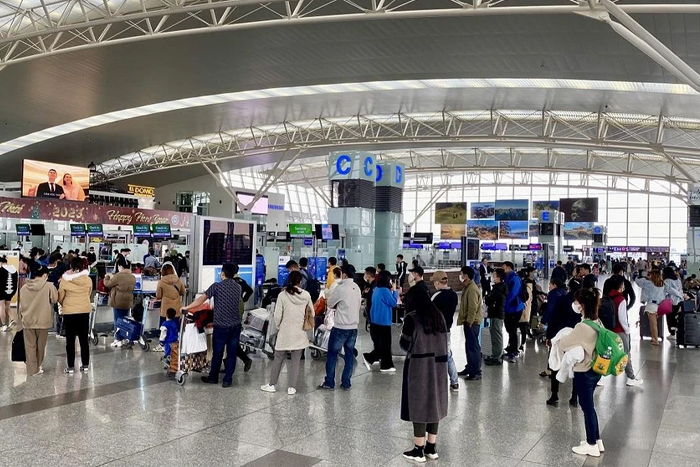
pixel 36 314
pixel 74 297
pixel 524 324
pixel 170 291
pixel 384 300
pixel 289 317
pixel 121 296
pixel 585 379
pixel 673 288
pixel 424 389
pixel 653 293
pixel 8 288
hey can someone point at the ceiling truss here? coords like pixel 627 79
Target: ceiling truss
pixel 643 146
pixel 35 28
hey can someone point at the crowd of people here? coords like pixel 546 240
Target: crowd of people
pixel 568 315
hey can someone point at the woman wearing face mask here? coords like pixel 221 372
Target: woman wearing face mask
pixel 585 379
pixel 564 314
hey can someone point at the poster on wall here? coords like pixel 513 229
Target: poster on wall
pixel 452 231
pixel 534 228
pixel 512 210
pixel 578 231
pixel 539 206
pixel 451 213
pixel 483 210
pixel 579 209
pixel 482 229
pixel 514 230
pixel 57 181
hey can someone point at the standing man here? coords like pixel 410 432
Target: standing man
pixel 569 269
pixel 401 267
pixel 470 319
pixel 419 286
pixel 227 323
pixel 630 296
pixel 513 310
pixel 559 273
pixel 495 303
pixel 371 284
pixel 484 271
pixel 50 189
pixel 294 266
pixel 445 300
pixel 346 299
pixel 246 293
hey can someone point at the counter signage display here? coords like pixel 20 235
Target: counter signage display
pixel 300 230
pixel 308 242
pixel 78 230
pixel 259 270
pixel 535 247
pixel 94 229
pixel 519 247
pixel 161 230
pixel 23 229
pixel 142 230
pixel 568 249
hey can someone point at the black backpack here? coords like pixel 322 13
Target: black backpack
pixel 313 286
pixel 606 313
pixel 524 295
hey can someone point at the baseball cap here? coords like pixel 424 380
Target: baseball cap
pixel 439 276
pixel 418 270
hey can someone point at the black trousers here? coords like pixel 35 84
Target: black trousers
pixel 672 319
pixel 77 325
pixel 419 429
pixel 511 321
pixel 381 337
pixel 524 331
pixel 554 386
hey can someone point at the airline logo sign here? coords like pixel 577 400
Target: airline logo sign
pixel 391 174
pixel 353 165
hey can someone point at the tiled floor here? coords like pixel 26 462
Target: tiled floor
pixel 125 412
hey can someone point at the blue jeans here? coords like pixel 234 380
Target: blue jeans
pixel 340 339
pixel 451 367
pixel 471 337
pixel 585 384
pixel 119 313
pixel 224 338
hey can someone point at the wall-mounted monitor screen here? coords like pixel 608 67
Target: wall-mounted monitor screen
pixel 161 230
pixel 78 230
pixel 23 229
pixel 301 230
pixel 260 206
pixel 58 181
pixel 95 229
pixel 37 229
pixel 142 230
pixel 227 242
pixel 327 231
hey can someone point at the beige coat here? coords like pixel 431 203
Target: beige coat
pixel 36 306
pixel 289 317
pixel 121 293
pixel 170 291
pixel 586 337
pixel 527 311
pixel 74 293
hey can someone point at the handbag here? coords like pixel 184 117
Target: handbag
pixel 308 319
pixel 193 341
pixel 665 307
pixel 18 350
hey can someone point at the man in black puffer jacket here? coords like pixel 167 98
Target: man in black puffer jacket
pixel 496 305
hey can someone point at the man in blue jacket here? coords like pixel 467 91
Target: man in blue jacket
pixel 513 310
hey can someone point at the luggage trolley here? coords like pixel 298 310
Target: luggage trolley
pixel 259 332
pixel 99 300
pixel 185 363
pixel 135 330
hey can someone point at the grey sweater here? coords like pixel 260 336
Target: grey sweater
pixel 346 298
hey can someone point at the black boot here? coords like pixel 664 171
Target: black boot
pixel 415 454
pixel 431 451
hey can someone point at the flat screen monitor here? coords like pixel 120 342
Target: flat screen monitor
pixel 38 229
pixel 227 242
pixel 142 230
pixel 327 231
pixel 78 230
pixel 58 181
pixel 23 229
pixel 161 230
pixel 95 229
pixel 300 230
pixel 260 207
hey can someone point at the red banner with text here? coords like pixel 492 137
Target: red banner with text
pixel 43 209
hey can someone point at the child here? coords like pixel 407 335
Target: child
pixel 168 331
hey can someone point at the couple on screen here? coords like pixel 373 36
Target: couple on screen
pixel 67 189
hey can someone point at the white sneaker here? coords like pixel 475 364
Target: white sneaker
pixel 388 370
pixel 634 382
pixel 116 344
pixel 268 388
pixel 291 391
pixel 585 449
pixel 4 328
pixel 126 342
pixel 601 446
pixel 11 325
pixel 600 384
pixel 160 348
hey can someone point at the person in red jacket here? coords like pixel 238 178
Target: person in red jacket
pixel 614 287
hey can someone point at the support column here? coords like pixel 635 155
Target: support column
pixel 389 206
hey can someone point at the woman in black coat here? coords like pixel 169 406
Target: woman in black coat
pixel 424 391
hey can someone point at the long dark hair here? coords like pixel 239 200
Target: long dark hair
pixel 428 315
pixel 613 283
pixel 384 280
pixel 669 273
pixel 588 298
pixel 293 283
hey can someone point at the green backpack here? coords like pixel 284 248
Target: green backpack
pixel 609 357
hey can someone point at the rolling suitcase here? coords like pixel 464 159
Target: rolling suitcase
pixel 691 330
pixel 486 346
pixel 644 330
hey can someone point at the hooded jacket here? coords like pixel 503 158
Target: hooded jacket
pixel 8 282
pixel 170 291
pixel 513 302
pixel 289 318
pixel 74 293
pixel 36 306
pixel 121 285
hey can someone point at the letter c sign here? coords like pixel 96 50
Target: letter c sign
pixel 369 163
pixel 343 164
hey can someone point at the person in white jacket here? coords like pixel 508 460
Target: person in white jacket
pixel 673 287
pixel 290 309
pixel 653 294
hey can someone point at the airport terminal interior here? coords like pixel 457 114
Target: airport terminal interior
pixel 350 232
